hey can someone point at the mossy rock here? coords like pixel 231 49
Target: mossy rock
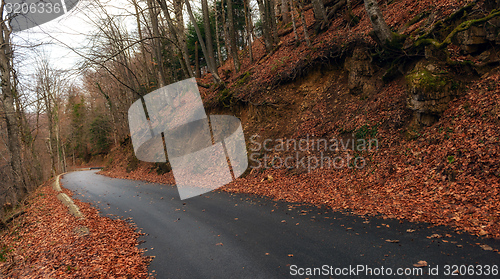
pixel 430 89
pixel 426 81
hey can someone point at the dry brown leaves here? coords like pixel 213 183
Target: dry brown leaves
pixel 44 243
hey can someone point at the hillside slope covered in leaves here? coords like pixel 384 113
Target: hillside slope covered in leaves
pixel 428 102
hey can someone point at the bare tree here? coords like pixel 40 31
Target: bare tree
pixel 153 15
pixel 285 12
pixel 217 35
pixel 304 24
pixel 232 35
pixel 382 31
pixel 8 99
pixel 265 16
pixel 319 10
pixel 208 33
pixel 293 21
pixel 178 30
pixel 249 27
pixel 211 67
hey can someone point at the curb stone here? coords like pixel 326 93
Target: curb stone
pixel 56 185
pixel 65 199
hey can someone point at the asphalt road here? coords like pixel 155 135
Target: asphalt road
pixel 221 235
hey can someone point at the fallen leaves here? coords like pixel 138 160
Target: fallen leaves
pixel 434 236
pixel 486 247
pixel 48 242
pixel 420 264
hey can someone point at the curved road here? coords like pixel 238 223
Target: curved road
pixel 221 235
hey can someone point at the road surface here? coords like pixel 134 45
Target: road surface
pixel 221 235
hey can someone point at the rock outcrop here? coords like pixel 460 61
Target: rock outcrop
pixel 430 89
pixel 360 71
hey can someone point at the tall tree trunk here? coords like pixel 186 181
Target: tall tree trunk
pixel 319 10
pixel 217 35
pixel 293 21
pixel 139 30
pixel 380 27
pixel 266 25
pixel 285 12
pixel 232 36
pixel 197 61
pixel 225 31
pixel 50 124
pixel 249 27
pixel 60 158
pixel 211 67
pixel 179 35
pixel 208 33
pixel 272 19
pixel 8 99
pixel 111 113
pixel 153 16
pixel 304 24
pixel 65 164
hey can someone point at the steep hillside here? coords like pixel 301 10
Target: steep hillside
pixel 411 131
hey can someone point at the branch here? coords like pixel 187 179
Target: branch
pixel 462 27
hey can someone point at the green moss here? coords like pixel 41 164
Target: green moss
pixel 427 81
pixel 397 41
pixel 243 79
pixel 423 40
pixel 366 132
pixel 225 97
pixel 450 159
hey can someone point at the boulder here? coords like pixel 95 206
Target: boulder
pixel 492 30
pixel 430 88
pixel 360 71
pixel 472 39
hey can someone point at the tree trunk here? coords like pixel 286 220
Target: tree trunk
pixel 217 36
pixel 8 102
pixel 266 25
pixel 153 16
pixel 293 21
pixel 285 12
pixel 139 30
pixel 380 27
pixel 177 31
pixel 60 158
pixel 249 27
pixel 232 36
pixel 272 20
pixel 304 25
pixel 208 33
pixel 319 10
pixel 197 61
pixel 211 67
pixel 227 45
